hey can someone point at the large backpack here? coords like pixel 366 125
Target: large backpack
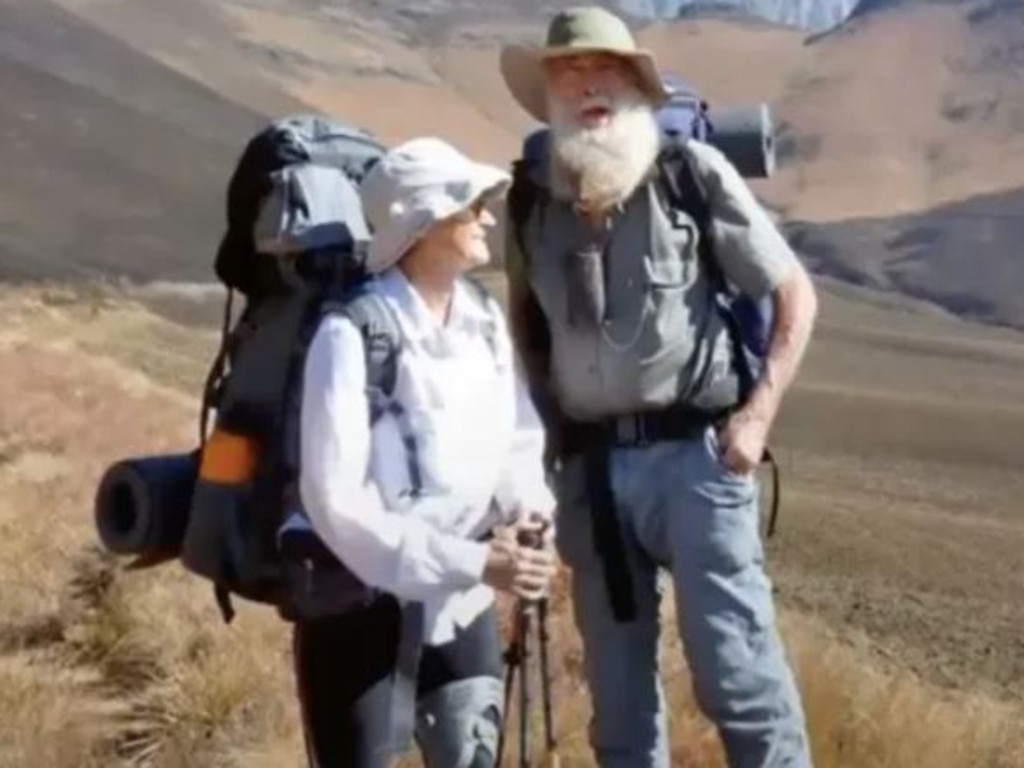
pixel 295 249
pixel 682 119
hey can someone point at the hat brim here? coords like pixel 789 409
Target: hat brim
pixel 522 68
pixel 393 240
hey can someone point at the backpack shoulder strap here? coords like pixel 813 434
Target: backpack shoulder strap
pixel 383 343
pixel 681 188
pixel 678 184
pixel 490 305
pixel 527 189
pixel 382 337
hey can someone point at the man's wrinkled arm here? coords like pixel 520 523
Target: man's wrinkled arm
pixel 755 255
pixel 795 304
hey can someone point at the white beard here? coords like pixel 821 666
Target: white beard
pixel 597 168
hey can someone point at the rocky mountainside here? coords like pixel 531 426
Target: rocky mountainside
pixel 122 120
pixel 962 256
pixel 810 15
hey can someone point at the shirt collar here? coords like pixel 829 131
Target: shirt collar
pixel 467 313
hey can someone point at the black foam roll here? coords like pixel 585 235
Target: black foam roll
pixel 142 505
pixel 744 134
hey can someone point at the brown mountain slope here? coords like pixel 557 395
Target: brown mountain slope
pixel 368 72
pixel 964 256
pixel 114 164
pixel 195 38
pixel 468 62
pixel 906 109
pixel 42 36
pixel 899 110
pixel 862 139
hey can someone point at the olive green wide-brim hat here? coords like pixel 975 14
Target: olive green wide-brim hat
pixel 576 31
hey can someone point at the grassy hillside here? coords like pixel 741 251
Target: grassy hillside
pixel 897 551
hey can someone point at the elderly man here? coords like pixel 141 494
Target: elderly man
pixel 631 362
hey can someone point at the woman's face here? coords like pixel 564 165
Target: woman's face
pixel 462 237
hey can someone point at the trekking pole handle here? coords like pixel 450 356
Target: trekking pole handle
pixel 533 539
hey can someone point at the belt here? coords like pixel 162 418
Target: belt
pixel 594 440
pixel 638 429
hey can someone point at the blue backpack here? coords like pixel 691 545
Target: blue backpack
pixel 685 114
pixel 683 118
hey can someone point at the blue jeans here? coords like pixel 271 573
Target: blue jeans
pixel 680 508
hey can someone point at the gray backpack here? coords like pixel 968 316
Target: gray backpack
pixel 295 249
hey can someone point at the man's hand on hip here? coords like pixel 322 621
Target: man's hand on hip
pixel 743 440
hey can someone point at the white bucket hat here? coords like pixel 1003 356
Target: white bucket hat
pixel 415 185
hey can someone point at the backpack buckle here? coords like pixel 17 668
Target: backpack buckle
pixel 680 220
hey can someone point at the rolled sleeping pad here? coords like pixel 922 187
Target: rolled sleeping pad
pixel 746 136
pixel 142 506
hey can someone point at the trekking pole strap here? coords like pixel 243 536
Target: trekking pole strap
pixel 410 646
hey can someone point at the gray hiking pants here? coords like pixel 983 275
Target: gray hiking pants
pixel 345 671
pixel 679 507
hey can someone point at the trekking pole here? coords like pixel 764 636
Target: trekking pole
pixel 517 658
pixel 524 687
pixel 516 664
pixel 513 662
pixel 552 759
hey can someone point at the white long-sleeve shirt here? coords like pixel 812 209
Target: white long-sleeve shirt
pixel 478 438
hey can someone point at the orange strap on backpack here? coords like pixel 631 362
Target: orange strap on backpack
pixel 228 458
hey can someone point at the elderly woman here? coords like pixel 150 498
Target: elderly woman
pixel 419 533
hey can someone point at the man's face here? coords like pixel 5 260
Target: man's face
pixel 589 85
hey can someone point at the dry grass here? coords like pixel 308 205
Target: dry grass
pixel 199 693
pixel 142 668
pixel 862 709
pixel 861 714
pixel 99 667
